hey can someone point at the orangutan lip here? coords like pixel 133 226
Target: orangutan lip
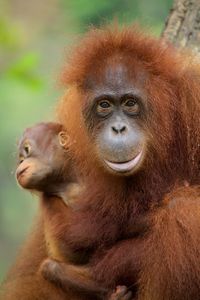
pixel 21 172
pixel 124 166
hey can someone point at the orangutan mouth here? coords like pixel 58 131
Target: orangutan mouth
pixel 125 166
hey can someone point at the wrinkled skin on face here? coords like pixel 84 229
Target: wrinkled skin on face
pixel 114 115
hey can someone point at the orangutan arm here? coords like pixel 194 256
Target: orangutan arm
pixel 24 280
pixel 171 256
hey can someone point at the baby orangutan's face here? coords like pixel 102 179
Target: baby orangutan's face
pixel 41 156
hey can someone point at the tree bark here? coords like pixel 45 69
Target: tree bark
pixel 182 27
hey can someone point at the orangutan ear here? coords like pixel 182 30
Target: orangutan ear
pixel 63 138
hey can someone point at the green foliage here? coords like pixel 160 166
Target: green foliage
pixel 87 12
pixel 24 70
pixel 9 37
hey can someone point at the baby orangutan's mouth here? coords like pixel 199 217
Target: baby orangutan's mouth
pixel 21 171
pixel 127 166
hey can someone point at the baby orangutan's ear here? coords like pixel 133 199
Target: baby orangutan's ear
pixel 64 139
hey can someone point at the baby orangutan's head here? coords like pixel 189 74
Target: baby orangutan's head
pixel 42 157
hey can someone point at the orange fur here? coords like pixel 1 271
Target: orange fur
pixel 173 93
pixel 168 254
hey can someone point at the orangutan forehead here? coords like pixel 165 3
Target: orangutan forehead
pixel 115 74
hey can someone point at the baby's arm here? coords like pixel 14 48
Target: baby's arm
pixel 79 278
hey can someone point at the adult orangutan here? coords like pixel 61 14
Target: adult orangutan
pixel 132 111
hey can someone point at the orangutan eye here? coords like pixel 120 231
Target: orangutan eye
pixel 104 107
pixel 104 104
pixel 131 106
pixel 27 148
pixel 130 103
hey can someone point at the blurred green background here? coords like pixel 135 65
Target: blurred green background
pixel 33 37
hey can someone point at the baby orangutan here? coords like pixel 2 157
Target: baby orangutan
pixel 43 160
pixel 45 167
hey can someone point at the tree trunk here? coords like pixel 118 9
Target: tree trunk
pixel 182 27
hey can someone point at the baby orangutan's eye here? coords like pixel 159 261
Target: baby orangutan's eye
pixel 27 149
